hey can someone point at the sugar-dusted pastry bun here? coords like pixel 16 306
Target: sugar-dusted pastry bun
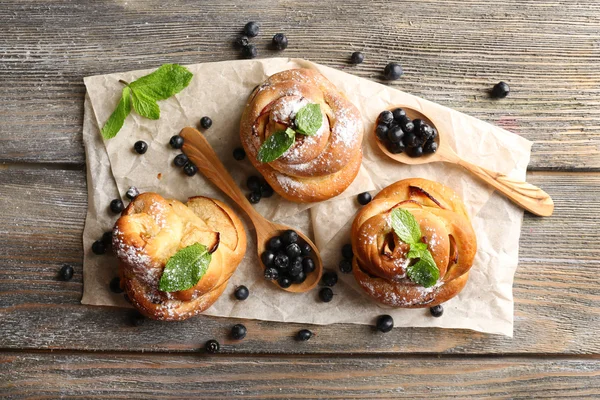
pixel 316 167
pixel 152 229
pixel 380 261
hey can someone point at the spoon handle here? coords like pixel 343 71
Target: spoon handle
pixel 197 148
pixel 526 195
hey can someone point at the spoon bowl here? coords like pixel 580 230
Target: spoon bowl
pixel 201 153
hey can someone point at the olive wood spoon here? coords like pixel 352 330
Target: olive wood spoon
pixel 200 152
pixel 526 195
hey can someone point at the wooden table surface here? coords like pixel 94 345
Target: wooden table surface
pixel 452 53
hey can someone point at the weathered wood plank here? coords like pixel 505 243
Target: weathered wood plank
pixel 452 53
pixel 556 286
pixel 152 376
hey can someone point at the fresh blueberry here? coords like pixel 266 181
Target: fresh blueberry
pixel 293 250
pixel 392 71
pixel 190 169
pixel 132 193
pixel 296 269
pixel 407 125
pixel 289 236
pixel 430 146
pixel 239 153
pixel 398 114
pixel 415 152
pixel 274 243
pixel 426 131
pixel 212 346
pixel 107 238
pixel 140 147
pixel 250 51
pixel 180 160
pixel 386 117
pixel 267 258
pixel 300 278
pixel 280 41
pixel 381 131
pixel 308 265
pixel 284 282
pixel 137 319
pixel 364 198
pixel 253 183
pixel 176 142
pixel 116 206
pixel 241 292
pixel 98 247
pixel 437 311
pixel 241 41
pixel 305 249
pixel 238 332
pixel 266 190
pixel 326 294
pixel 434 133
pixel 411 140
pixel 345 266
pixel 396 148
pixel 347 252
pixel 251 29
pixel 271 274
pixel 205 122
pixel 329 278
pixel 115 285
pixel 254 197
pixel 385 323
pixel 66 272
pixel 500 90
pixel 281 261
pixel 357 57
pixel 303 335
pixel 395 134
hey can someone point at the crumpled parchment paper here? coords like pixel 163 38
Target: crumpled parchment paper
pixel 220 90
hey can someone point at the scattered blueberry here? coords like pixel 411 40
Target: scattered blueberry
pixel 267 258
pixel 345 266
pixel 385 323
pixel 180 160
pixel 253 183
pixel 301 277
pixel 289 236
pixel 274 243
pixel 303 335
pixel 137 319
pixel 329 278
pixel 437 311
pixel 176 142
pixel 212 346
pixel 266 190
pixel 241 292
pixel 205 122
pixel 107 238
pixel 357 57
pixel 398 114
pixel 347 252
pixel 500 90
pixel 250 51
pixel 242 41
pixel 190 169
pixel 98 247
pixel 326 295
pixel 293 250
pixel 66 272
pixel 392 71
pixel 281 261
pixel 305 249
pixel 430 147
pixel 364 198
pixel 140 147
pixel 238 331
pixel 116 206
pixel 115 285
pixel 308 265
pixel 239 154
pixel 271 274
pixel 251 29
pixel 280 41
pixel 132 193
pixel 284 282
pixel 386 117
pixel 395 134
pixel 254 197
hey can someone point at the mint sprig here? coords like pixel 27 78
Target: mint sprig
pixel 185 268
pixel 309 119
pixel 143 94
pixel 424 272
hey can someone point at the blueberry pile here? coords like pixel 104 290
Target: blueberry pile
pixel 401 134
pixel 259 188
pixel 287 259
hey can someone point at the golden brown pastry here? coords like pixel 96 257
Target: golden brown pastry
pixel 152 229
pixel 381 265
pixel 315 167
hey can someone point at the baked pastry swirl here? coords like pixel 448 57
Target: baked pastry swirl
pixel 380 256
pixel 152 229
pixel 316 167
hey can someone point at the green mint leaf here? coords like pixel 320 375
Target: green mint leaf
pixel 117 118
pixel 406 226
pixel 185 268
pixel 417 250
pixel 275 145
pixel 145 105
pixel 309 119
pixel 424 272
pixel 164 82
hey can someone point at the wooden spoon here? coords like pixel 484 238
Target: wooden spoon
pixel 200 152
pixel 529 197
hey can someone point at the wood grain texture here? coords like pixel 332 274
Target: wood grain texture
pixel 556 286
pixel 152 376
pixel 452 53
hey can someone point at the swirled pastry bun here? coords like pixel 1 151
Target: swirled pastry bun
pixel 316 167
pixel 152 229
pixel 380 256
